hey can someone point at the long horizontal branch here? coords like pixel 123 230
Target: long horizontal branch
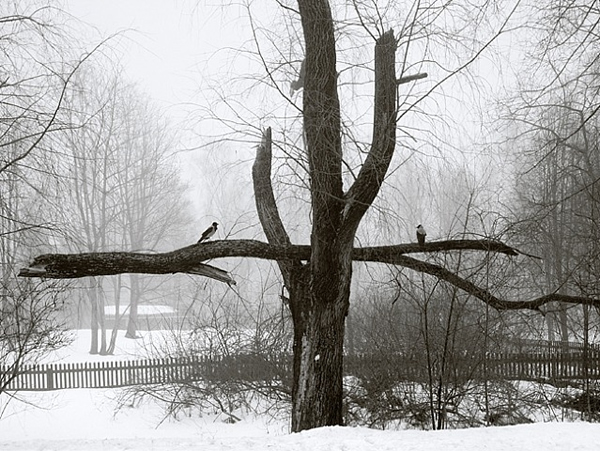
pixel 188 259
pixel 72 266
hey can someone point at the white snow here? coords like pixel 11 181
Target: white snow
pixel 143 310
pixel 86 420
pixel 126 348
pixel 83 419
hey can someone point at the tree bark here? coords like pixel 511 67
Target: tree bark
pixel 318 363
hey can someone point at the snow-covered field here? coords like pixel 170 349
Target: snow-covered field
pixel 87 420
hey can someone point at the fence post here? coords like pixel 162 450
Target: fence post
pixel 49 378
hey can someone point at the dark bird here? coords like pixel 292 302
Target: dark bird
pixel 208 232
pixel 421 234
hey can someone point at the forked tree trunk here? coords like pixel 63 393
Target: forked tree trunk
pixel 320 289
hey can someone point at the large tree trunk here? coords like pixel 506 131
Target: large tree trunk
pixel 319 326
pixel 318 364
pixel 319 322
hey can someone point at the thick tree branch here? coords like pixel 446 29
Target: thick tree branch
pixel 266 206
pixel 187 259
pixel 387 254
pixel 372 173
pixel 72 266
pixel 322 130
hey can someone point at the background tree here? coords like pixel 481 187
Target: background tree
pixel 120 188
pixel 556 190
pixel 151 195
pixel 38 65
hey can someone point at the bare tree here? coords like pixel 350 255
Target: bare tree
pixel 35 76
pixel 318 276
pixel 88 206
pixel 565 54
pixel 151 195
pixel 119 189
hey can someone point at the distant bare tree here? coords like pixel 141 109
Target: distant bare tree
pixel 150 192
pixel 557 193
pixel 121 184
pixel 37 68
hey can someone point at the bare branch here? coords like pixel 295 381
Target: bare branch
pixel 370 178
pixel 71 266
pixel 266 206
pixel 483 294
pixel 388 254
pixel 53 116
pixel 186 260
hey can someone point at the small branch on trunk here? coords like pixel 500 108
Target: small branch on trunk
pixel 410 78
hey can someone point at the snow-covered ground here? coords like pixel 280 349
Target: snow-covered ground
pixel 125 348
pixel 84 419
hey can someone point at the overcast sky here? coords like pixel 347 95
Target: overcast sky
pixel 169 47
pixel 163 43
pixel 165 47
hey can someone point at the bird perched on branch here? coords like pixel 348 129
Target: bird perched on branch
pixel 208 232
pixel 421 234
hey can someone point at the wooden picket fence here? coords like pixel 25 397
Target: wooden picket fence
pixel 545 366
pixel 96 374
pixel 532 366
pixel 549 366
pixel 133 372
